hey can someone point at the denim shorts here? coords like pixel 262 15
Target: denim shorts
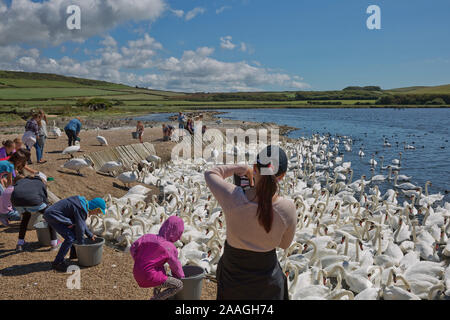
pixel 31 209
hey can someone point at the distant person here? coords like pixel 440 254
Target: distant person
pixel 72 130
pixel 68 218
pixel 43 134
pixel 31 135
pixel 30 197
pixel 165 130
pixel 140 130
pixel 258 221
pixel 150 252
pixel 181 120
pixel 190 126
pixel 170 131
pixel 7 150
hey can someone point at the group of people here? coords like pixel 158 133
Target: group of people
pixel 258 221
pixel 22 196
pixel 188 124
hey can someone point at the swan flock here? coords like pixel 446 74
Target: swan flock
pixel 352 241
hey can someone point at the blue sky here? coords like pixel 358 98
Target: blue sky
pixel 230 45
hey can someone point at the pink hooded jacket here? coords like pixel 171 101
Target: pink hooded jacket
pixel 150 252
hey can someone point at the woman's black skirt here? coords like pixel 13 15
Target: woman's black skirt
pixel 249 275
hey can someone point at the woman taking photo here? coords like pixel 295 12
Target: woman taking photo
pixel 258 221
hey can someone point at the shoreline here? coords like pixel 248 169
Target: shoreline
pixel 121 122
pixel 119 119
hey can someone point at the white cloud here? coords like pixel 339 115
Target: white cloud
pixel 299 85
pixel 178 13
pixel 146 42
pixel 225 43
pixel 197 71
pixel 36 22
pixel 139 63
pixel 222 9
pixel 245 47
pixel 194 12
pixel 9 53
pixel 109 42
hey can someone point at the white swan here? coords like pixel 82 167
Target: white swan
pixel 77 164
pixel 55 130
pixel 101 140
pixel 111 167
pixel 397 161
pixel 372 161
pixel 392 292
pixel 72 149
pixel 361 152
pixel 129 177
pixel 405 186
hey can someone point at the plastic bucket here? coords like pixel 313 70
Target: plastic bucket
pixel 192 283
pixel 34 219
pixel 135 135
pixel 90 253
pixel 43 234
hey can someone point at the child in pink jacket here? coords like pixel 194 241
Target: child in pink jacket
pixel 150 252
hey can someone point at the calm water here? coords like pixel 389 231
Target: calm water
pixel 426 129
pixel 159 117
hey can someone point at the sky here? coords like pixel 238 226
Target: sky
pixel 231 45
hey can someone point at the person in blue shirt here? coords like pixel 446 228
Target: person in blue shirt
pixel 72 130
pixel 181 120
pixel 68 218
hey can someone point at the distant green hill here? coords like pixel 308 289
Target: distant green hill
pixel 443 89
pixel 20 92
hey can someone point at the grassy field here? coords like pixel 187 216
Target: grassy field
pixel 445 89
pixel 20 92
pixel 45 93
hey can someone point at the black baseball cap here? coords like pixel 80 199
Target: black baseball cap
pixel 275 157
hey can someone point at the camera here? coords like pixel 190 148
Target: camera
pixel 242 182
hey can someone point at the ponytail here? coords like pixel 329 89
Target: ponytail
pixel 266 188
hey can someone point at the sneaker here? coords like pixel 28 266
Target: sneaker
pixel 19 248
pixel 55 248
pixel 4 220
pixel 61 267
